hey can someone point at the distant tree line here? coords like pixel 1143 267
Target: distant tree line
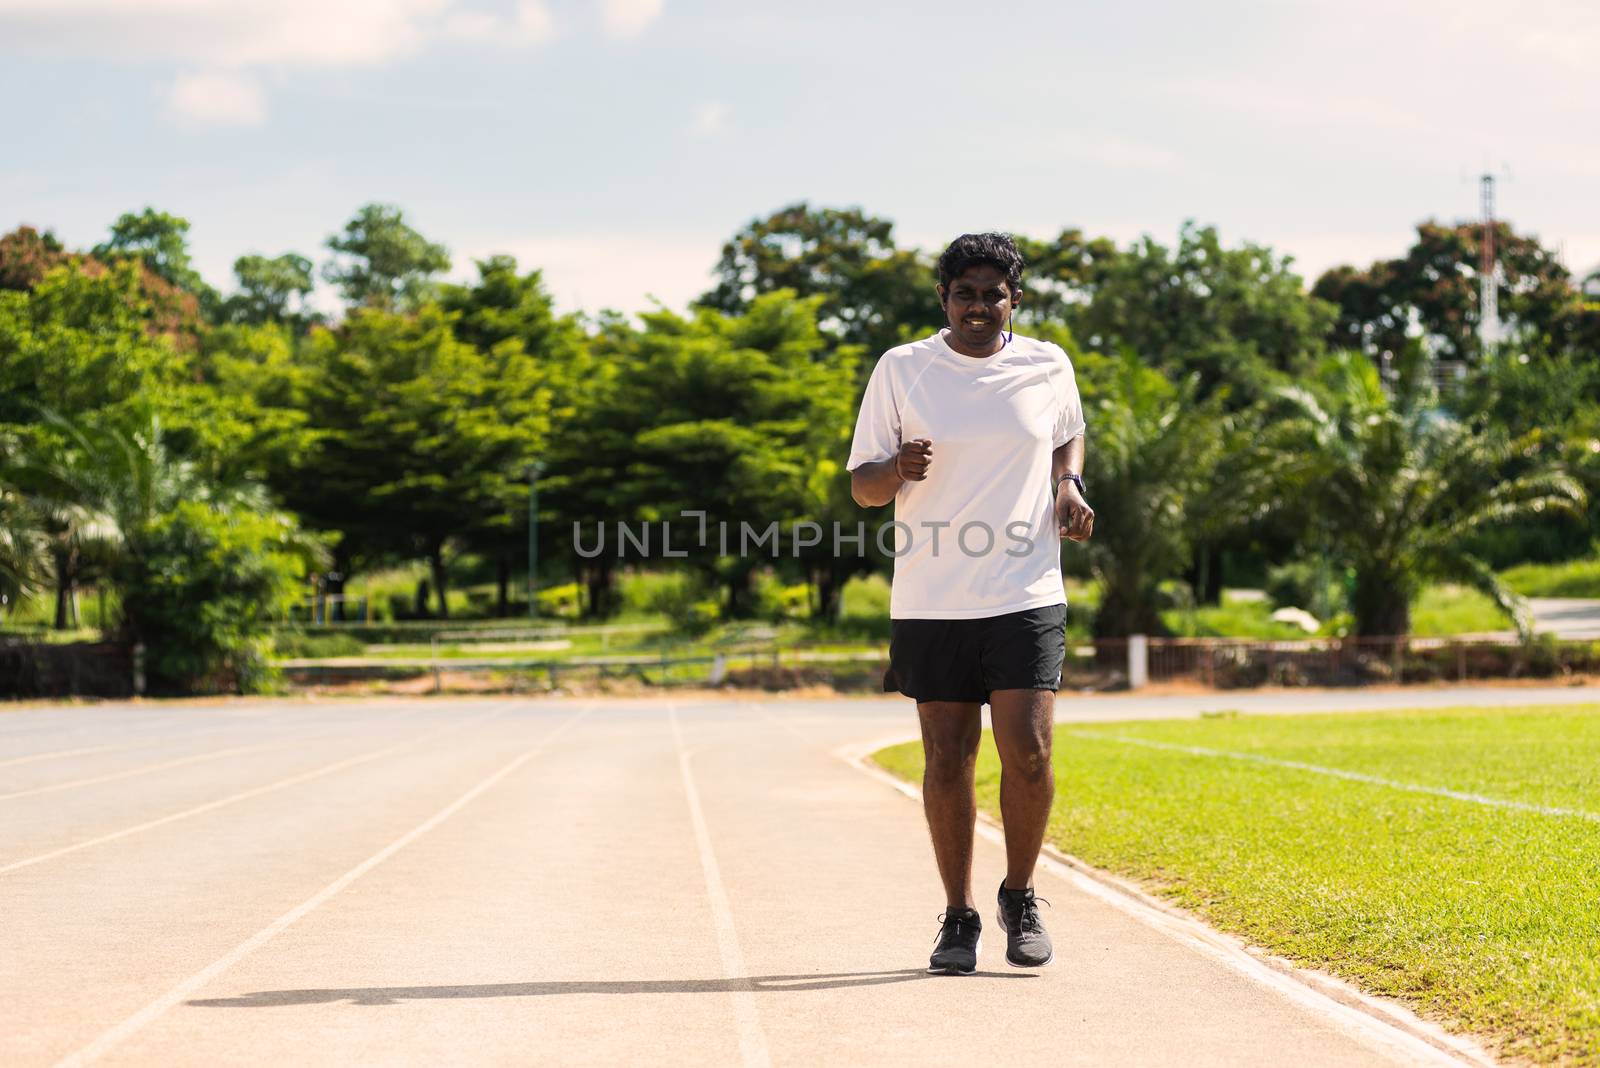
pixel 201 452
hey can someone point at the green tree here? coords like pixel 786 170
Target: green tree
pixel 82 343
pixel 1233 316
pixel 26 256
pixel 726 415
pixel 201 567
pixel 1153 459
pixel 63 491
pixel 380 261
pixel 419 437
pixel 1236 319
pixel 24 543
pixel 1236 510
pixel 253 398
pixel 78 350
pixel 510 316
pixel 91 482
pixel 160 241
pixel 1548 397
pixel 78 343
pixel 1399 488
pixel 1431 294
pixel 1060 275
pixel 198 583
pixel 872 292
pixel 268 287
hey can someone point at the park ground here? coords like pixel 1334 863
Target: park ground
pixel 709 882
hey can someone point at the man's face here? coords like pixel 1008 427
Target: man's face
pixel 977 304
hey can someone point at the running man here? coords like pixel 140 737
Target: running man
pixel 977 436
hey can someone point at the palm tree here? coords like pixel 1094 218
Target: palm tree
pixel 66 486
pixel 1153 457
pixel 88 490
pixel 24 550
pixel 1399 486
pixel 198 564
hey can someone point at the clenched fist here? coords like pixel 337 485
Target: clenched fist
pixel 912 461
pixel 1073 514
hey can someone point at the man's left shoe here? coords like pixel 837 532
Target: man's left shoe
pixel 1027 943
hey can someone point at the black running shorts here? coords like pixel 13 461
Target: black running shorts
pixel 968 659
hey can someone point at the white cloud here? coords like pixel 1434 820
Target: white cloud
pixel 628 18
pixel 1408 71
pixel 710 119
pixel 473 25
pixel 242 35
pixel 224 99
pixel 534 20
pixel 530 23
pixel 236 33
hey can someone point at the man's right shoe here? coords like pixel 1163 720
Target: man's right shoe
pixel 956 952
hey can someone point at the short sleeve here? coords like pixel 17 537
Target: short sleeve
pixel 878 422
pixel 1069 407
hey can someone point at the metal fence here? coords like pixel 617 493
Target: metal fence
pixel 34 669
pixel 760 663
pixel 1103 664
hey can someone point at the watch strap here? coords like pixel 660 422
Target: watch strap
pixel 1075 479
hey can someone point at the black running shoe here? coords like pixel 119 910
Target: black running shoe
pixel 1027 944
pixel 956 952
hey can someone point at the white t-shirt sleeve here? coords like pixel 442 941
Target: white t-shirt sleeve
pixel 1069 410
pixel 878 422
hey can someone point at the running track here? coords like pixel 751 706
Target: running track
pixel 566 882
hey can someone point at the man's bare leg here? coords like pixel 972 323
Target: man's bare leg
pixel 1023 725
pixel 950 733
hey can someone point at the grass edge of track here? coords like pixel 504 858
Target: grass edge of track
pixel 1441 988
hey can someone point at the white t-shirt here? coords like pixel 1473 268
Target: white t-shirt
pixel 978 537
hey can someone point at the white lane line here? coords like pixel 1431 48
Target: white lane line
pixel 124 746
pixel 1377 1023
pixel 1341 773
pixel 243 795
pixel 752 1040
pixel 32 757
pixel 86 721
pixel 145 769
pixel 115 1036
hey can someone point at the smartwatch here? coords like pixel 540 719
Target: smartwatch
pixel 1076 479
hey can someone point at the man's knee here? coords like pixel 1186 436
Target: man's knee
pixel 1031 763
pixel 950 754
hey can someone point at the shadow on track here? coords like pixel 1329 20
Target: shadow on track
pixel 760 984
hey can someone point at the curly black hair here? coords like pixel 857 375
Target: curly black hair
pixel 970 250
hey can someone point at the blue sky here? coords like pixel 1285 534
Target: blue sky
pixel 617 143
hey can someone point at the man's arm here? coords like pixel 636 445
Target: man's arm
pixel 877 482
pixel 1073 514
pixel 1067 460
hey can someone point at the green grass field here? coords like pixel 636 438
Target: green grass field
pixel 1573 578
pixel 1481 909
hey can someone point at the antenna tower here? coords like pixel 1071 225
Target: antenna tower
pixel 1488 284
